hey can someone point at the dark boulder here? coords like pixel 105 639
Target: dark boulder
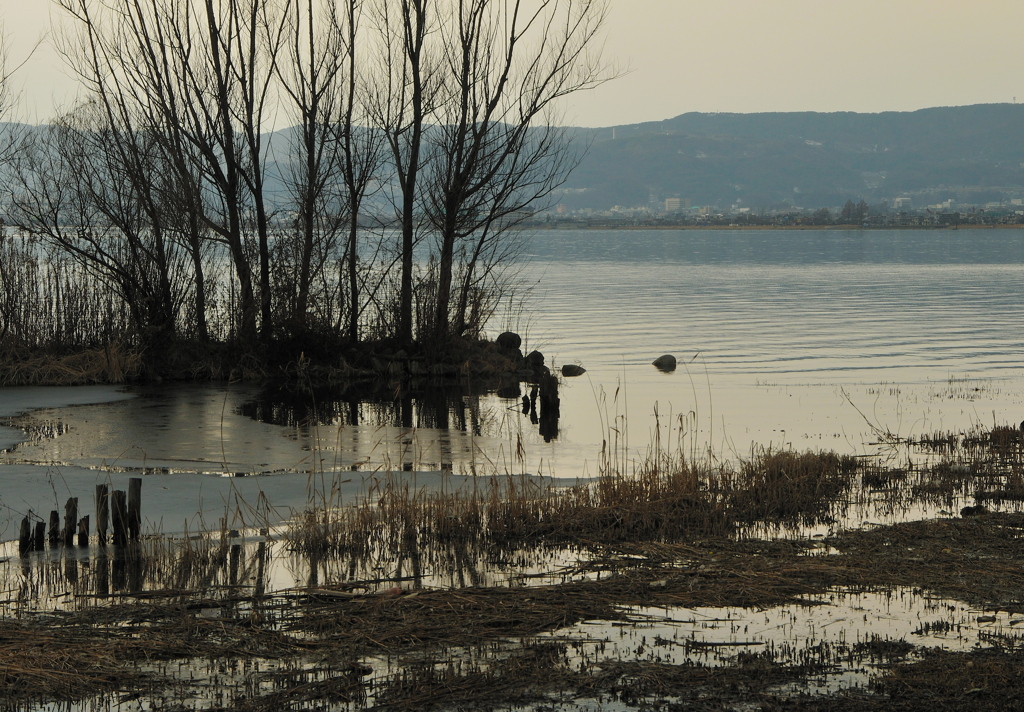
pixel 666 363
pixel 508 340
pixel 569 370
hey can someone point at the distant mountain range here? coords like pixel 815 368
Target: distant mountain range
pixel 973 154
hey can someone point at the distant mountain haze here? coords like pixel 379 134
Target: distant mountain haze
pixel 973 154
pixel 771 161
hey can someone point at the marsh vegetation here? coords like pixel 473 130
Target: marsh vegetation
pixel 680 583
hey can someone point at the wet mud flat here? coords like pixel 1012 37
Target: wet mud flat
pixel 587 643
pixel 679 586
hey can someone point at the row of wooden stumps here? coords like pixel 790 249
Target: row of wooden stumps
pixel 121 509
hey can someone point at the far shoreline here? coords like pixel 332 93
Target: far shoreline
pixel 834 228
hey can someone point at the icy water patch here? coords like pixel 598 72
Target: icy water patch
pixel 232 430
pixel 203 459
pixel 18 401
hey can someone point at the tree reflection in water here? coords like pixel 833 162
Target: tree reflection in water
pixel 371 416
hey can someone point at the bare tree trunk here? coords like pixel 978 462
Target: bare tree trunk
pixel 508 63
pixel 360 157
pixel 313 80
pixel 402 112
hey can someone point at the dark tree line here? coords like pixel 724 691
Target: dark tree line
pixel 853 214
pixel 419 135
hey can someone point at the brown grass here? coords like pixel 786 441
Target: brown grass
pixel 663 501
pixel 114 363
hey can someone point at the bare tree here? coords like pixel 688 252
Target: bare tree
pixel 335 156
pixel 402 106
pixel 85 188
pixel 495 151
pixel 183 94
pixel 312 79
pixel 360 146
pixel 202 72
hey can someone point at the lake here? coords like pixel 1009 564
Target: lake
pixel 788 337
pixel 802 339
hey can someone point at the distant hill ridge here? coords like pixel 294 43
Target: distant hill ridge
pixel 807 159
pixel 972 154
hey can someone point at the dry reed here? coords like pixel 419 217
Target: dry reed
pixel 665 500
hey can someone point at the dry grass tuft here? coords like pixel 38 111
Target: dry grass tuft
pixel 114 363
pixel 665 500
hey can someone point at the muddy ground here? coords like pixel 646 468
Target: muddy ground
pixel 356 647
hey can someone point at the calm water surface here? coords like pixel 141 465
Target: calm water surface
pixel 811 339
pixel 787 337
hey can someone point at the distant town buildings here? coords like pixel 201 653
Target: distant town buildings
pixel 900 213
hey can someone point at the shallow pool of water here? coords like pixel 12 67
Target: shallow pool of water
pixel 850 634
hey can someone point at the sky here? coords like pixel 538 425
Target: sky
pixel 676 56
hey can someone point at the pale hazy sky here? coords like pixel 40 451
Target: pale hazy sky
pixel 734 56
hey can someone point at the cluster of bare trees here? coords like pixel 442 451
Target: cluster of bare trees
pixel 297 167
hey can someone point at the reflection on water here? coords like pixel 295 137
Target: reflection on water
pixel 222 565
pixel 241 430
pixel 424 424
pixel 847 635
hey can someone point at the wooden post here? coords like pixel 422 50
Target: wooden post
pixel 83 531
pixel 54 533
pixel 261 555
pixel 134 508
pixel 119 517
pixel 70 520
pixel 25 540
pixel 102 573
pixel 102 508
pixel 133 555
pixel 549 407
pixel 234 562
pixel 40 540
pixel 71 569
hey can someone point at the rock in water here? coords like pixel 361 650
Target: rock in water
pixel 666 363
pixel 508 340
pixel 570 370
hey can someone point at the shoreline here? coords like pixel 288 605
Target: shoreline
pixel 830 228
